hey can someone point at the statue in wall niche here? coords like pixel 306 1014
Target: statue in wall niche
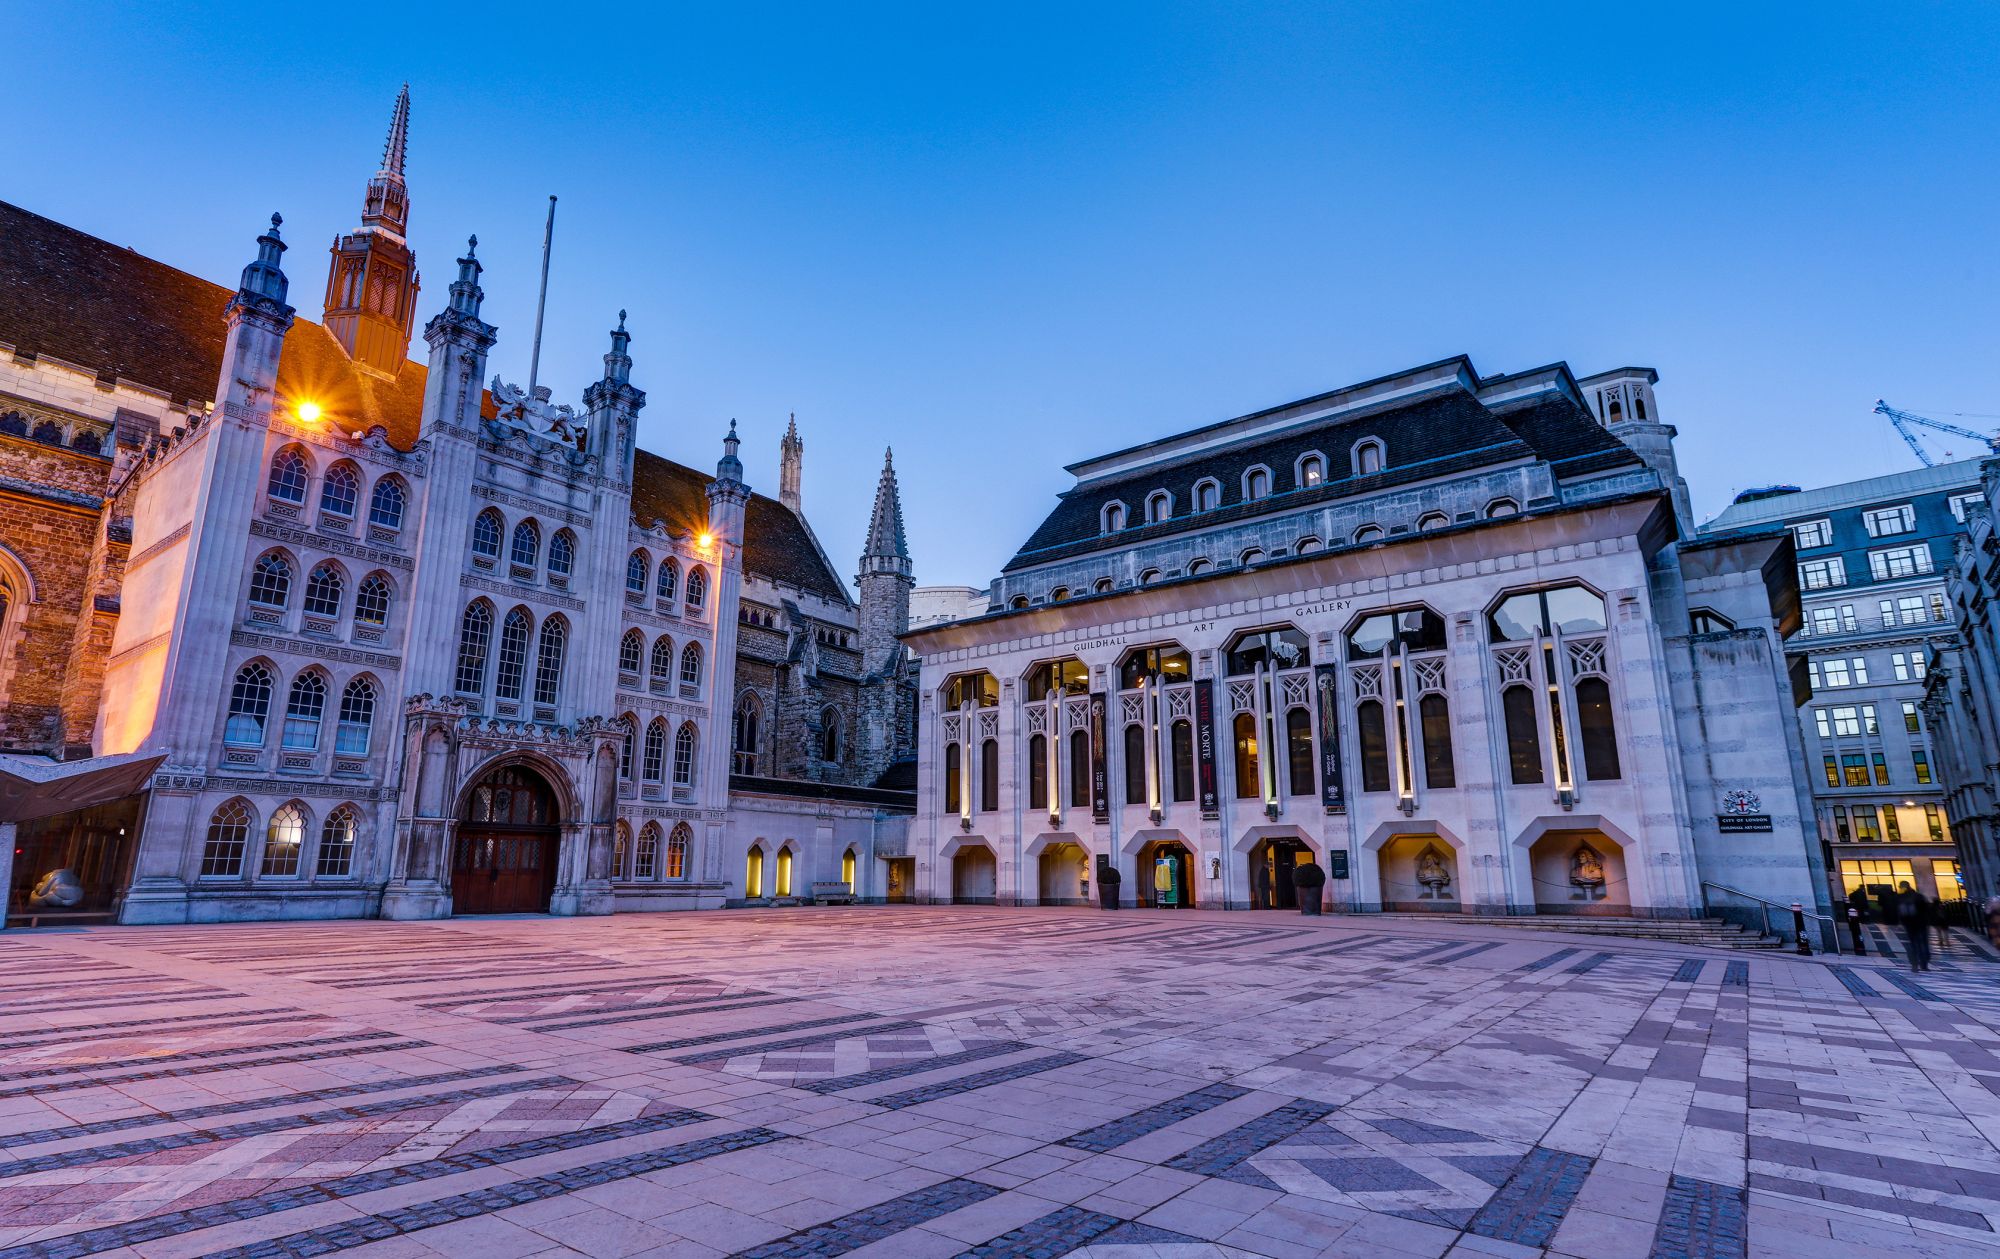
pixel 1433 873
pixel 1586 872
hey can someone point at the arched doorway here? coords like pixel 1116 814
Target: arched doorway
pixel 1420 872
pixel 974 876
pixel 1166 875
pixel 505 859
pixel 1271 864
pixel 1579 872
pixel 1061 874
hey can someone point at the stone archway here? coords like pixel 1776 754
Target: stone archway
pixel 508 846
pixel 1579 864
pixel 975 875
pixel 1061 870
pixel 1270 854
pixel 1420 873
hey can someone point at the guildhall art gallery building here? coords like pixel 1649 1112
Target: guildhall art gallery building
pixel 1452 632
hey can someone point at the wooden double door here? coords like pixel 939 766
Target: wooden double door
pixel 503 872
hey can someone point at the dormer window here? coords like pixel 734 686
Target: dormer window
pixel 1059 594
pixel 1252 556
pixel 1101 587
pixel 1369 457
pixel 1257 484
pixel 1501 507
pixel 1430 521
pixel 1197 567
pixel 1114 517
pixel 1312 470
pixel 1207 495
pixel 1367 533
pixel 1159 506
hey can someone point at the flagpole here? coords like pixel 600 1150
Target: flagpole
pixel 541 302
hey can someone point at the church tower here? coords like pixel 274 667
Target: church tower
pixel 371 286
pixel 791 468
pixel 884 581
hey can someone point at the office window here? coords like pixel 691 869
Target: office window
pixel 1822 718
pixel 1840 831
pixel 1867 827
pixel 1846 722
pixel 1884 522
pixel 1829 619
pixel 1868 725
pixel 1909 665
pixel 1906 610
pixel 1934 822
pixel 1832 771
pixel 1911 721
pixel 1959 502
pixel 1881 769
pixel 1923 763
pixel 1813 533
pixel 1950 886
pixel 1822 574
pixel 1854 769
pixel 1892 562
pixel 1892 825
pixel 1875 875
pixel 1844 671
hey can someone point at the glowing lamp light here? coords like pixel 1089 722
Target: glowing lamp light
pixel 309 412
pixel 704 539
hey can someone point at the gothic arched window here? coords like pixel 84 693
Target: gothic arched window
pixel 475 629
pixel 635 573
pixel 527 544
pixel 340 491
pixel 690 668
pixel 631 651
pixel 271 581
pixel 323 590
pixel 549 660
pixel 743 733
pixel 646 857
pixel 669 583
pixel 228 836
pixel 249 706
pixel 486 535
pixel 336 843
pixel 303 710
pixel 289 473
pixel 562 553
pixel 511 676
pixel 371 600
pixel 697 589
pixel 653 766
pixel 684 742
pixel 625 745
pixel 663 663
pixel 357 718
pixel 284 839
pixel 829 734
pixel 678 842
pixel 385 505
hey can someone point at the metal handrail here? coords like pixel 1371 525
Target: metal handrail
pixel 1766 906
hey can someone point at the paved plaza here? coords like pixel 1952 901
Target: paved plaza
pixel 932 1081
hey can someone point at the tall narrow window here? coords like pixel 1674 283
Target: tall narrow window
pixel 357 718
pixel 288 477
pixel 625 747
pixel 631 651
pixel 1248 785
pixel 621 851
pixel 527 544
pixel 339 493
pixel 684 755
pixel 829 734
pixel 697 589
pixel 385 505
pixel 271 581
pixel 303 710
pixel 989 776
pixel 1524 740
pixel 1299 753
pixel 690 668
pixel 511 674
pixel 635 573
pixel 228 836
pixel 1135 764
pixel 663 663
pixel 670 580
pixel 1038 771
pixel 371 601
pixel 654 766
pixel 549 660
pixel 1182 738
pixel 284 838
pixel 1434 716
pixel 486 535
pixel 677 850
pixel 1373 727
pixel 753 873
pixel 646 856
pixel 249 705
pixel 1595 730
pixel 336 844
pixel 953 801
pixel 562 554
pixel 1079 769
pixel 743 734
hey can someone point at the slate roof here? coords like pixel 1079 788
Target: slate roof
pixel 68 295
pixel 1427 436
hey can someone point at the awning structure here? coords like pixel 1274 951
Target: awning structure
pixel 36 787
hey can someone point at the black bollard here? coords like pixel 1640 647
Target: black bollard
pixel 1854 932
pixel 1799 926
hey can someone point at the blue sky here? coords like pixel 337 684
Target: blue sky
pixel 1003 238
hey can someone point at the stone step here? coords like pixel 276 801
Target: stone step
pixel 1711 932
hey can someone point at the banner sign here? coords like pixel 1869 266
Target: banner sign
pixel 1332 787
pixel 1204 726
pixel 1100 774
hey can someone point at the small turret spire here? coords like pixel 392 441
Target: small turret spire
pixel 465 291
pixel 887 544
pixel 396 147
pixel 791 466
pixel 618 363
pixel 266 277
pixel 729 468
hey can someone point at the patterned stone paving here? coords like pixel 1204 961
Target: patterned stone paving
pixel 1003 1083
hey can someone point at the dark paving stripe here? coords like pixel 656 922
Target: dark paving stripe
pixel 406 981
pixel 167 1224
pixel 1589 964
pixel 463 1206
pixel 1702 1220
pixel 977 1080
pixel 172 996
pixel 1529 1208
pixel 1109 1136
pixel 802 1042
pixel 1223 1153
pixel 196 1113
pixel 872 1224
pixel 655 1010
pixel 1909 985
pixel 177 1073
pixel 1543 962
pixel 276 1123
pixel 196 1055
pixel 1854 983
pixel 1320 944
pixel 40 1037
pixel 1689 972
pixel 902 1070
pixel 1474 951
pixel 690 1042
pixel 1056 1233
pixel 435 1002
pixel 1736 975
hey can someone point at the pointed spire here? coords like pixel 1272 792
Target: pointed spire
pixel 729 467
pixel 397 145
pixel 791 466
pixel 886 541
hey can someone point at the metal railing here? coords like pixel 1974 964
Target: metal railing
pixel 1762 916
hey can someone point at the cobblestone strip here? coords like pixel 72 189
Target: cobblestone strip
pixel 1701 1220
pixel 1541 963
pixel 1529 1208
pixel 656 1010
pixel 41 1037
pixel 192 1114
pixel 1109 1136
pixel 464 1206
pixel 1689 972
pixel 690 1042
pixel 1056 1233
pixel 276 1123
pixel 175 1073
pixel 1222 1153
pixel 977 1080
pixel 872 1224
pixel 802 1042
pixel 167 1224
pixel 882 1075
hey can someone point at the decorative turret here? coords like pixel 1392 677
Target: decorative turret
pixel 729 469
pixel 371 287
pixel 614 407
pixel 1623 402
pixel 791 467
pixel 466 295
pixel 264 284
pixel 887 551
pixel 459 340
pixel 885 580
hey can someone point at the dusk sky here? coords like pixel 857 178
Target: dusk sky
pixel 1003 238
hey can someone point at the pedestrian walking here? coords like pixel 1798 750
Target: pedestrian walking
pixel 1941 919
pixel 1914 912
pixel 1993 918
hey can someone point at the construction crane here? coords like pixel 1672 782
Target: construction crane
pixel 1906 421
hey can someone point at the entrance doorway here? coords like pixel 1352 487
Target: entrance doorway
pixel 974 877
pixel 1271 864
pixel 1166 875
pixel 900 878
pixel 1062 875
pixel 73 867
pixel 505 859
